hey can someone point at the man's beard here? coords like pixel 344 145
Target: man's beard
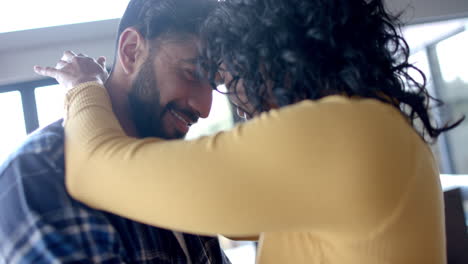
pixel 145 105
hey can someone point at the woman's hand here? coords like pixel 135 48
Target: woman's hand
pixel 73 70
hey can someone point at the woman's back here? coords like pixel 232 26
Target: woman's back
pixel 387 197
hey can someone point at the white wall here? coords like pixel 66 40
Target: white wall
pixel 20 51
pixel 17 65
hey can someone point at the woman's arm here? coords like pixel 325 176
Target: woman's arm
pixel 298 168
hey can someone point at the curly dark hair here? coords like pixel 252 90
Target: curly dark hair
pixel 315 48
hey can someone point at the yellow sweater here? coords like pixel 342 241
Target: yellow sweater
pixel 337 180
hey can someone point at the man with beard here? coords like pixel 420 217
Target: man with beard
pixel 155 91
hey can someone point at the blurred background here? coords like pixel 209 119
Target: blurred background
pixel 37 32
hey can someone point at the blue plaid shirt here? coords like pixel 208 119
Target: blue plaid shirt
pixel 41 223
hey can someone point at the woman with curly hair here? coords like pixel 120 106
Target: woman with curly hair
pixel 331 166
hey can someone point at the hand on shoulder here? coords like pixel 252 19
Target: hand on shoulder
pixel 72 70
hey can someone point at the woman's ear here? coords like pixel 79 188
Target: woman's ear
pixel 131 50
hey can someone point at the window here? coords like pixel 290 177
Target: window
pixel 12 119
pixel 439 50
pixel 49 102
pixel 452 55
pixel 18 113
pixel 420 60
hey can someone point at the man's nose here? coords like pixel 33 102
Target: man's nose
pixel 201 99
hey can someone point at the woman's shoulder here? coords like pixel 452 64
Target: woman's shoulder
pixel 342 111
pixel 357 123
pixel 342 124
pixel 339 103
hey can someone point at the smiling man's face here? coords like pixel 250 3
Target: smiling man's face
pixel 168 96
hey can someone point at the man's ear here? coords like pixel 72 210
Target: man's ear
pixel 131 50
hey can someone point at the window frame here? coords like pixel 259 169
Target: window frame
pixel 28 99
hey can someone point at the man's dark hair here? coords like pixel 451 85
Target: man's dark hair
pixel 314 48
pixel 153 18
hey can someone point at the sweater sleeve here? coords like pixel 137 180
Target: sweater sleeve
pixel 298 168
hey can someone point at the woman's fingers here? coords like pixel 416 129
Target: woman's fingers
pixel 47 71
pixel 102 61
pixel 68 55
pixel 73 69
pixel 60 64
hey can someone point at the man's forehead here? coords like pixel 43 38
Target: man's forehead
pixel 179 50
